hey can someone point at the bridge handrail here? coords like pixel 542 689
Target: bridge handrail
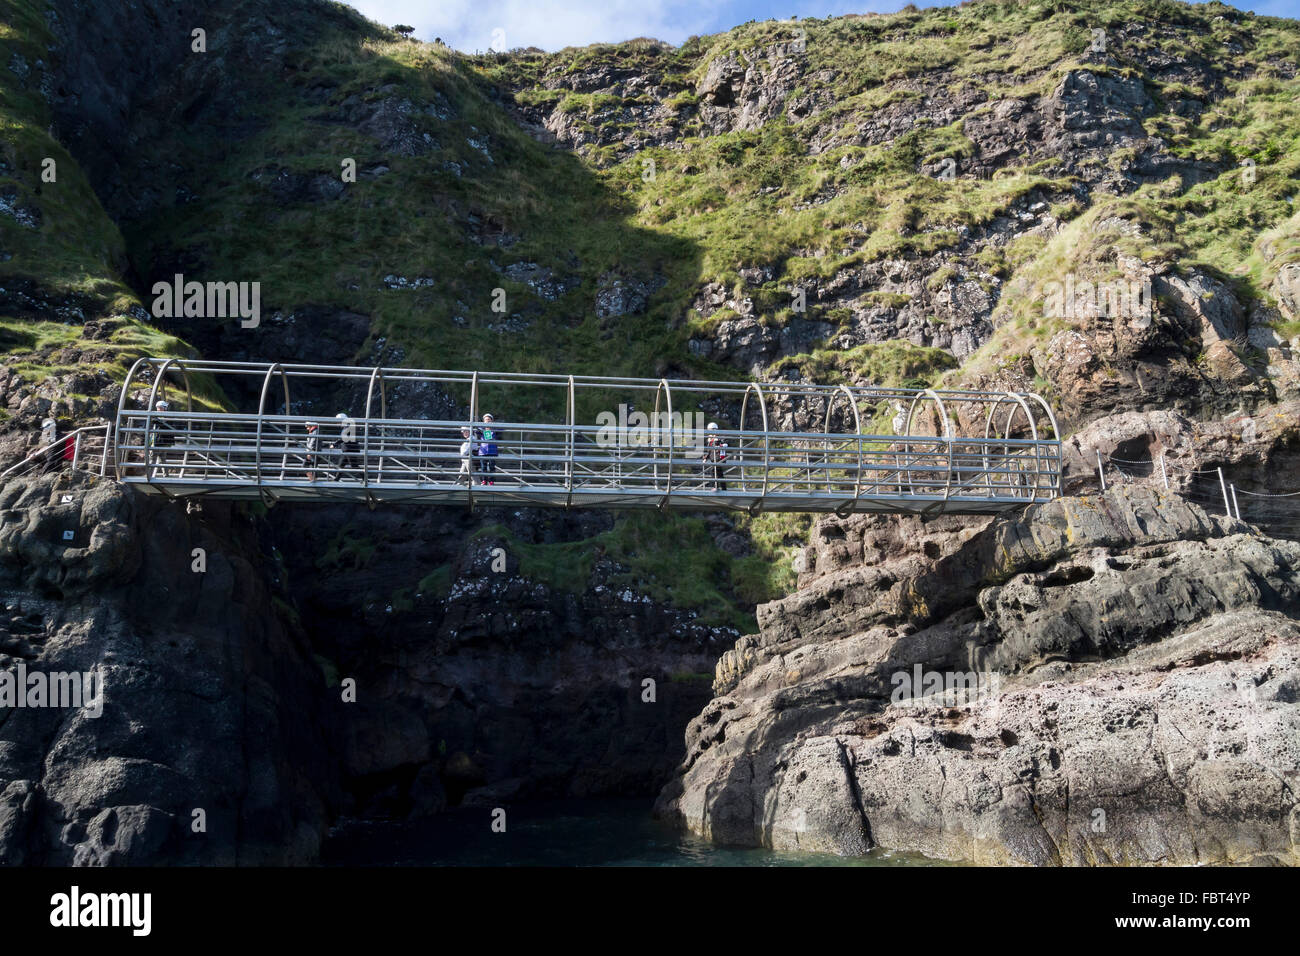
pixel 60 443
pixel 841 465
pixel 507 426
pixel 549 462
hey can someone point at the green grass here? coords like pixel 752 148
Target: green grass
pixel 715 205
pixel 76 253
pixel 890 364
pixel 436 584
pixel 347 551
pixel 669 558
pixel 567 222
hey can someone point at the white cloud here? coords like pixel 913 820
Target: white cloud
pixel 471 25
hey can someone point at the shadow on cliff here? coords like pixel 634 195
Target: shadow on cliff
pixel 472 686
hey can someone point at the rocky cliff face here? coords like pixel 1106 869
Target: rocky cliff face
pixel 1079 126
pixel 914 182
pixel 474 682
pixel 212 741
pixel 223 686
pixel 479 683
pixel 1132 698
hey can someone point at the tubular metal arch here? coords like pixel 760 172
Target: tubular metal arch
pixel 160 381
pixel 118 451
pixel 126 385
pixel 376 376
pixel 572 414
pixel 945 464
pixel 1056 435
pixel 757 389
pixel 1051 416
pixel 1017 402
pixel 943 413
pixel 261 417
pixel 946 437
pixel 1029 417
pixel 473 424
pixel 857 430
pixel 666 390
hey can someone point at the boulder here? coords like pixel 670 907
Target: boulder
pixel 1111 684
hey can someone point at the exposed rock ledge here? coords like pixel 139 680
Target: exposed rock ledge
pixel 1149 663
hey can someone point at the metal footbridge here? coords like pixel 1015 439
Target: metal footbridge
pixel 577 441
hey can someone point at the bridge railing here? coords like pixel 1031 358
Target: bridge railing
pixel 87 449
pixel 790 445
pixel 210 449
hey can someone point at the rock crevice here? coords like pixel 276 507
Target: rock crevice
pixel 1114 683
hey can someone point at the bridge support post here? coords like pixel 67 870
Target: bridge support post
pixel 473 424
pixel 667 392
pixel 757 389
pixel 267 498
pixel 857 433
pixel 376 375
pixel 571 450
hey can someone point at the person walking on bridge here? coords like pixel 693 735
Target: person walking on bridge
pixel 313 450
pixel 715 457
pixel 487 450
pixel 348 447
pixel 466 457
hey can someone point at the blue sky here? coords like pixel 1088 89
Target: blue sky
pixel 551 24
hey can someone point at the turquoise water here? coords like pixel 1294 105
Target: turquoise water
pixel 568 833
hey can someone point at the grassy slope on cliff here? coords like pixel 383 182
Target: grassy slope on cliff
pixel 476 204
pixel 764 198
pixel 62 258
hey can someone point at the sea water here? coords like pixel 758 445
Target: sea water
pixel 561 833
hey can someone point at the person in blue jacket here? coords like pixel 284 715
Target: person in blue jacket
pixel 487 450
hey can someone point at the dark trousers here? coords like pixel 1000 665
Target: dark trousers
pixel 348 459
pixel 716 472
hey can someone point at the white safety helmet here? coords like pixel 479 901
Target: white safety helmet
pixel 312 425
pixel 487 417
pixel 341 415
pixel 713 426
pixel 162 406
